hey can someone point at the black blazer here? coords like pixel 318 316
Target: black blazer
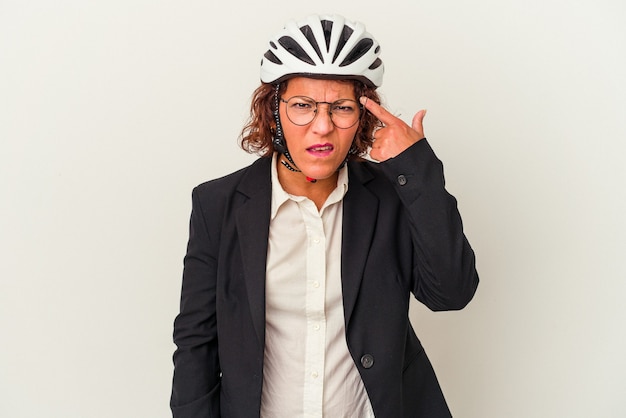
pixel 402 234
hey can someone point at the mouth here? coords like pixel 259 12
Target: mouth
pixel 320 149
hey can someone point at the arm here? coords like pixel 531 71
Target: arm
pixel 195 387
pixel 444 274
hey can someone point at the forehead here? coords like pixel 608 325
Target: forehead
pixel 320 90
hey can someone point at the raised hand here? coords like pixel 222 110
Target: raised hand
pixel 395 136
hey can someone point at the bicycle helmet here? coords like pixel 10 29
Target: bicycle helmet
pixel 323 47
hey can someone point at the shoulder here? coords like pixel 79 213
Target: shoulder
pixel 217 198
pixel 368 180
pixel 228 184
pixel 367 173
pixel 416 169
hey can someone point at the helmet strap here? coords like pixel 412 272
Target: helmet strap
pixel 279 139
pixel 280 145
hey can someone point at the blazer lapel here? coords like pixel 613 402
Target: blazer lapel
pixel 252 220
pixel 360 208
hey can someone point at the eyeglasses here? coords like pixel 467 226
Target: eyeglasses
pixel 301 110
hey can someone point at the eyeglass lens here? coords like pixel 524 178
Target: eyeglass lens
pixel 301 110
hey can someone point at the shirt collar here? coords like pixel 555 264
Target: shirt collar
pixel 280 196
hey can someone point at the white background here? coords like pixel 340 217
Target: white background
pixel 111 111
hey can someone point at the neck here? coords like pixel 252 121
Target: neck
pixel 297 184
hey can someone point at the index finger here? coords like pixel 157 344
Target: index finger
pixel 377 110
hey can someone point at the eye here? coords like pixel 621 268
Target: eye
pixel 345 107
pixel 301 104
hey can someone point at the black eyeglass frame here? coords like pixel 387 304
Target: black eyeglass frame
pixel 330 106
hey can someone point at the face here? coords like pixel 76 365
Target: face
pixel 318 148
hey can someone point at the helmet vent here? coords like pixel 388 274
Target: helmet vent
pixel 294 49
pixel 358 51
pixel 375 64
pixel 310 36
pixel 345 35
pixel 327 27
pixel 273 58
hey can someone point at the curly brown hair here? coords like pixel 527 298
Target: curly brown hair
pixel 256 136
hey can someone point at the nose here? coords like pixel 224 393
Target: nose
pixel 322 122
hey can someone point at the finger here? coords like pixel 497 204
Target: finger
pixel 377 110
pixel 417 122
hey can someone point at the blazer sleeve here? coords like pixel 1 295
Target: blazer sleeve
pixel 444 272
pixel 196 382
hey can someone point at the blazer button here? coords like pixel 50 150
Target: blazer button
pixel 367 361
pixel 401 180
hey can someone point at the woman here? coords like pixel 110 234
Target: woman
pixel 299 267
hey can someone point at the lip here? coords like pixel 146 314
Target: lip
pixel 320 150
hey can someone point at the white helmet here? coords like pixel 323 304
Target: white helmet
pixel 323 47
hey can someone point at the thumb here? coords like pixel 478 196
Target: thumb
pixel 417 122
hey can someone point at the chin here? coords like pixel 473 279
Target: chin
pixel 321 174
pixel 321 170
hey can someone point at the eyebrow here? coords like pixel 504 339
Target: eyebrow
pixel 317 101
